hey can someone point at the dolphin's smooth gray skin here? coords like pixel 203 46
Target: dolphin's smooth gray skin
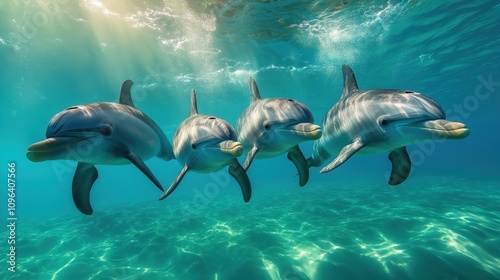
pixel 101 133
pixel 205 144
pixel 274 126
pixel 366 122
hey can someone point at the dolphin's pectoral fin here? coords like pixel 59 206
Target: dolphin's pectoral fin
pixel 125 96
pixel 85 176
pixel 137 161
pixel 347 152
pixel 241 177
pixel 295 155
pixel 175 183
pixel 401 166
pixel 250 156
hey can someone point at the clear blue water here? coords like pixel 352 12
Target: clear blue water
pixel 442 223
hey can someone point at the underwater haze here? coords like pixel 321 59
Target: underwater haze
pixel 443 222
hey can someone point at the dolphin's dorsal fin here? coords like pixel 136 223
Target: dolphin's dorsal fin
pixel 194 106
pixel 254 90
pixel 350 84
pixel 125 97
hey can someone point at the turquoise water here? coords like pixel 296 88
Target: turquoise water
pixel 442 223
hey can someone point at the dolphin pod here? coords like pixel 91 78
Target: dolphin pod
pixel 362 122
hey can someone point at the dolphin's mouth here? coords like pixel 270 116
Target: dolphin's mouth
pixel 48 148
pixel 441 128
pixel 307 130
pixel 231 147
pixel 216 153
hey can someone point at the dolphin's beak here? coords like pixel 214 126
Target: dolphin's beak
pixel 231 147
pixel 443 129
pixel 50 148
pixel 307 130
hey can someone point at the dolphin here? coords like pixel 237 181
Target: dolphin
pixel 374 121
pixel 205 144
pixel 274 126
pixel 102 133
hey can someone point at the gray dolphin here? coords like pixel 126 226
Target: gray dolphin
pixel 374 121
pixel 101 133
pixel 205 144
pixel 274 126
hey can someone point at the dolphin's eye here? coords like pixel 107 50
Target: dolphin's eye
pixel 194 146
pixel 106 130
